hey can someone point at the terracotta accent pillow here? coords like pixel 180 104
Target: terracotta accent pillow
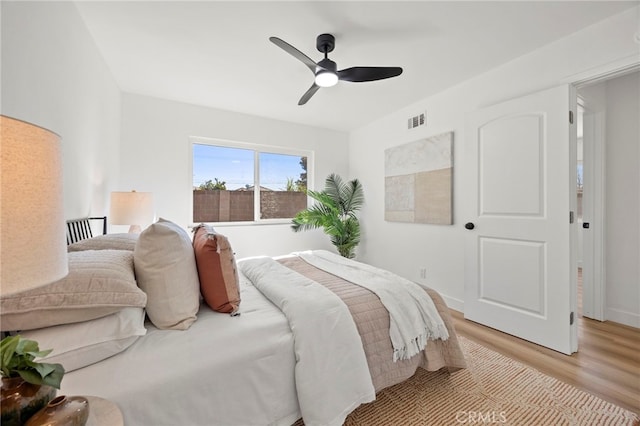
pixel 219 282
pixel 99 283
pixel 106 242
pixel 166 270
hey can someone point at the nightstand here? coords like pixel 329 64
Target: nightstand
pixel 103 412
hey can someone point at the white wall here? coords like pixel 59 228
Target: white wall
pixel 404 248
pixel 156 157
pixel 53 76
pixel 622 232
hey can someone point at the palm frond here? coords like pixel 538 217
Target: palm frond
pixel 333 187
pixel 324 199
pixel 348 239
pixel 316 216
pixel 352 196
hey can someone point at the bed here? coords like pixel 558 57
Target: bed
pixel 297 338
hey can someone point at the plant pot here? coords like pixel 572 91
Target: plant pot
pixel 21 400
pixel 62 411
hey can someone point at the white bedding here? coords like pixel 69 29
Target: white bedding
pixel 262 378
pixel 159 368
pixel 332 375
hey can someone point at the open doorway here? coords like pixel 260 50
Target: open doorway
pixel 579 203
pixel 591 202
pixel 609 199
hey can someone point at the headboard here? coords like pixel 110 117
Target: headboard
pixel 80 229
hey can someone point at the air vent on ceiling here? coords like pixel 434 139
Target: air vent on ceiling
pixel 418 120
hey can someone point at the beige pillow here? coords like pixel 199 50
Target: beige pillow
pixel 166 270
pixel 83 343
pixel 99 283
pixel 106 242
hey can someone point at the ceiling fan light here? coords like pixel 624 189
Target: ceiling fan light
pixel 326 78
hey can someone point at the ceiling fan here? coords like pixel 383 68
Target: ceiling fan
pixel 326 71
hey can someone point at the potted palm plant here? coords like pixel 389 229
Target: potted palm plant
pixel 27 385
pixel 335 212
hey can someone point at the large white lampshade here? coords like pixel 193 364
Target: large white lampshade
pixel 32 226
pixel 131 208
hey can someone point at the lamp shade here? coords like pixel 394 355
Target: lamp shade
pixel 32 226
pixel 131 208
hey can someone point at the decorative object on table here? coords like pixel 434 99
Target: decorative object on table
pixel 62 411
pixel 32 207
pixel 418 181
pixel 27 385
pixel 335 212
pixel 131 208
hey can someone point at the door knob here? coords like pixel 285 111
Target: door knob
pixel 469 225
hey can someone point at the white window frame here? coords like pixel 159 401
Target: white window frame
pixel 257 149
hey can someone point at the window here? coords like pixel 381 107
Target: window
pixel 235 182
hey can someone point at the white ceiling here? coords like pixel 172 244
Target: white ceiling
pixel 218 54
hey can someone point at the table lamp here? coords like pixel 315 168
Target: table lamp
pixel 33 250
pixel 131 208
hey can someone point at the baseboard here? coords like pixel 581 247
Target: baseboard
pixel 453 303
pixel 623 317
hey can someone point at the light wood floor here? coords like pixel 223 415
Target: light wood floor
pixel 607 363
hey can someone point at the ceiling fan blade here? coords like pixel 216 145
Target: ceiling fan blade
pixel 358 74
pixel 294 52
pixel 308 94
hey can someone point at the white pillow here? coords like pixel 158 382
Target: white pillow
pixel 83 343
pixel 165 266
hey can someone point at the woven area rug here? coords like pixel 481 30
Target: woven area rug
pixel 494 389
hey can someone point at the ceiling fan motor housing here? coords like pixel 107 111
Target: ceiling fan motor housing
pixel 325 43
pixel 328 65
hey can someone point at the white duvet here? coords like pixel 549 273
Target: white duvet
pixel 331 373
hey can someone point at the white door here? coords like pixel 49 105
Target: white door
pixel 520 269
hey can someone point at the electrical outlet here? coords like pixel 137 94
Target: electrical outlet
pixel 423 272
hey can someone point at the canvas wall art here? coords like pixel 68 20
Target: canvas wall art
pixel 418 181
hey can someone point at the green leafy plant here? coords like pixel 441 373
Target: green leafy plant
pixel 210 185
pixel 17 359
pixel 294 186
pixel 335 212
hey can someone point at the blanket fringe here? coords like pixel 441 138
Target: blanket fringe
pixel 419 343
